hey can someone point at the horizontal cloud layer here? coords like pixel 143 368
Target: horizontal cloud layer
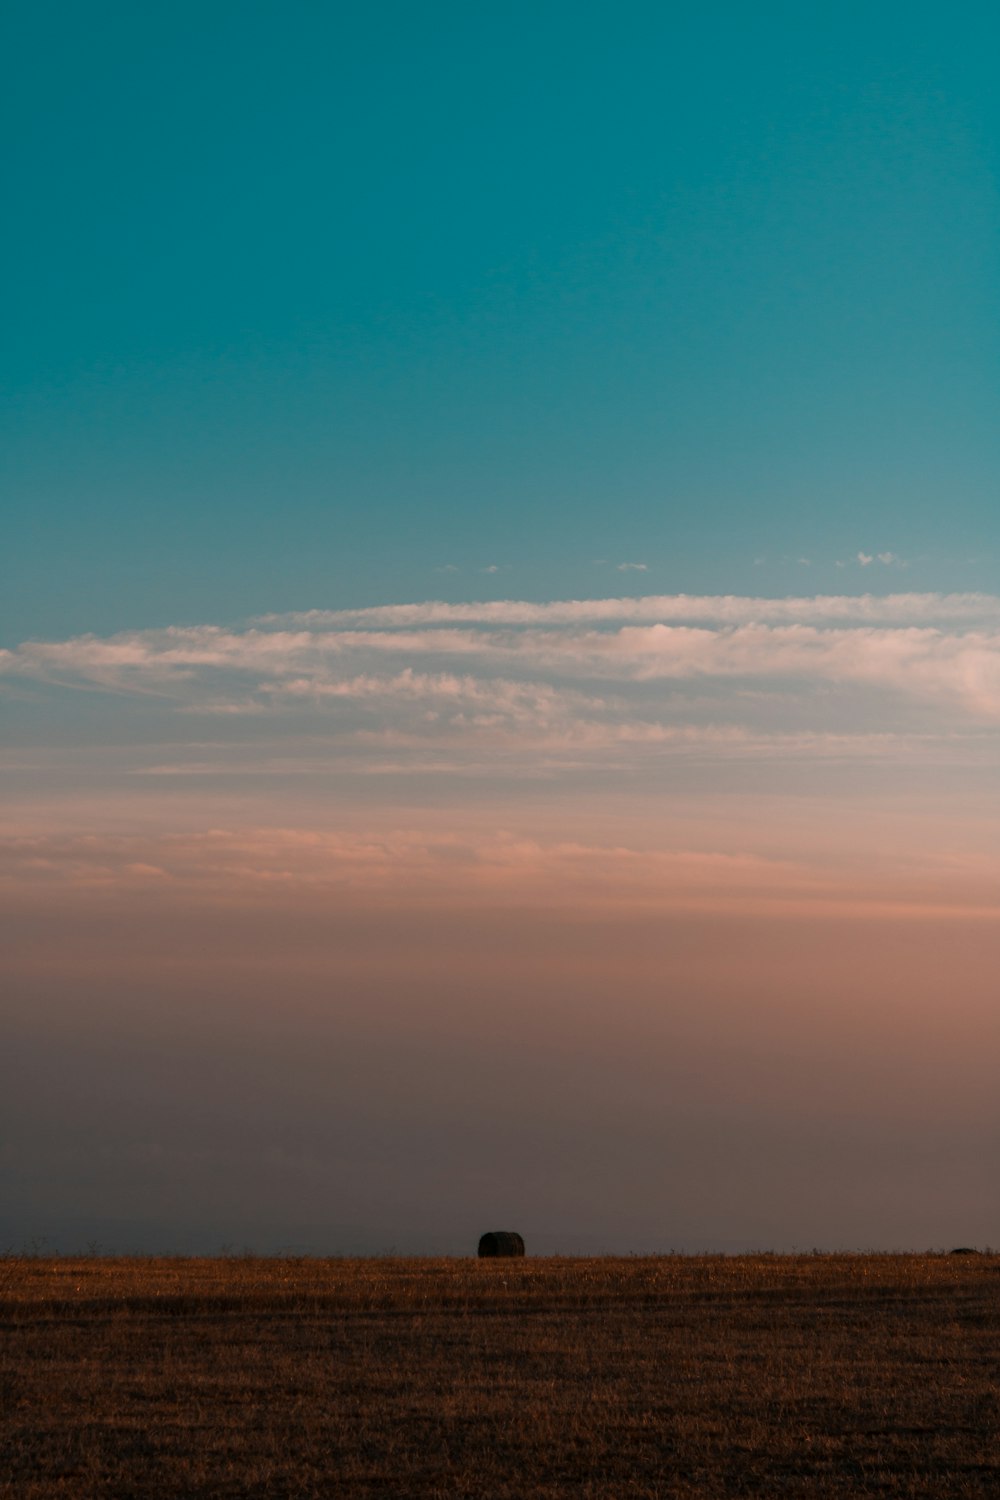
pixel 529 663
pixel 307 869
pixel 715 609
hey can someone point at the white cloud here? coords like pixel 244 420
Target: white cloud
pixel 865 559
pixel 632 567
pixel 512 658
pixel 712 609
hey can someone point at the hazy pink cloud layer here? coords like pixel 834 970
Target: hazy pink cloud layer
pixel 425 870
pixel 824 712
pixel 584 914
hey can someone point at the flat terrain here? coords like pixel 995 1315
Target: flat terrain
pixel 669 1376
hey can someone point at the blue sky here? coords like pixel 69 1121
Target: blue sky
pixel 303 306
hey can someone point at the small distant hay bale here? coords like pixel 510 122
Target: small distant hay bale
pixel 963 1250
pixel 501 1242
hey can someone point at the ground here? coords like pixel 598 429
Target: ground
pixel 671 1376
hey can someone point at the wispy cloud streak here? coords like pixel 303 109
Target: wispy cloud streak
pixel 520 653
pixel 424 870
pixel 712 609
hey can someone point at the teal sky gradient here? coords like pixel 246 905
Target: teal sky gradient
pixel 500 625
pixel 303 306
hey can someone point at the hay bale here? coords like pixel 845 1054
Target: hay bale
pixel 501 1242
pixel 963 1250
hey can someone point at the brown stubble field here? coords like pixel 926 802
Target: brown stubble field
pixel 663 1376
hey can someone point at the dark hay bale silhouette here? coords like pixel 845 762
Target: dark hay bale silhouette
pixel 963 1250
pixel 501 1242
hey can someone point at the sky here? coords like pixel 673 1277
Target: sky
pixel 500 627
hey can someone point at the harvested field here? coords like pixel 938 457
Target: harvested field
pixel 801 1376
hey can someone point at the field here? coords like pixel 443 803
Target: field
pixel 671 1376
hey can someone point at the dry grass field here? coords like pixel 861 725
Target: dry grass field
pixel 671 1376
